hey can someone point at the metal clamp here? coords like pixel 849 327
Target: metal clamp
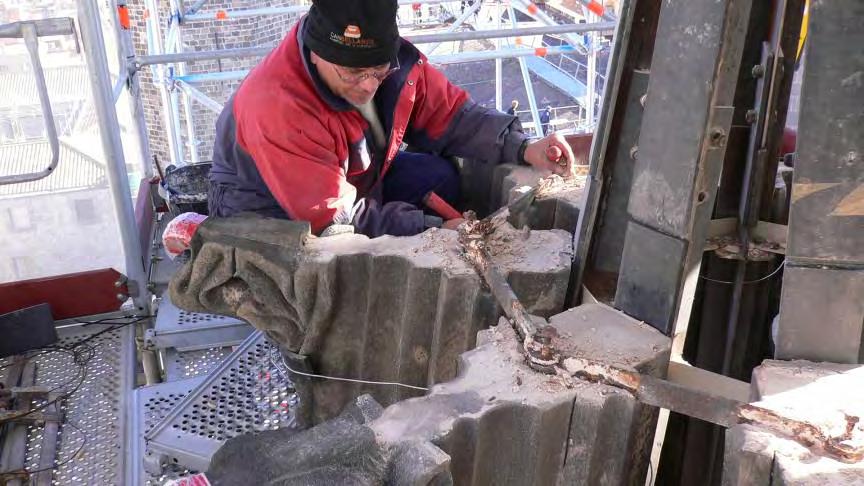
pixel 30 31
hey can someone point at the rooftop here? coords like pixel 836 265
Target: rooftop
pixel 75 169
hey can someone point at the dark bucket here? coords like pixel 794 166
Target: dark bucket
pixel 187 188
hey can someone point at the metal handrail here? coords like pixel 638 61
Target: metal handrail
pixel 30 31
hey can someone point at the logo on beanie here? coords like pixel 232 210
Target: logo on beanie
pixel 351 37
pixel 352 32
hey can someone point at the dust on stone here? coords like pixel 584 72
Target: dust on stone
pixel 560 187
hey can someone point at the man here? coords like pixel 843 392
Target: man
pixel 544 119
pixel 513 105
pixel 314 131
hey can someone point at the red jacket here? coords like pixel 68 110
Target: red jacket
pixel 286 146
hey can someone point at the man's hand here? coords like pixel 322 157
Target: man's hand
pixel 536 155
pixel 453 224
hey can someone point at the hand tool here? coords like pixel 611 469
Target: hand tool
pixel 436 203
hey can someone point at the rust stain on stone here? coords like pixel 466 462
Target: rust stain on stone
pixel 852 204
pixel 848 447
pixel 800 190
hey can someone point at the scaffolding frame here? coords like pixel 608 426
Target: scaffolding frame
pixel 167 59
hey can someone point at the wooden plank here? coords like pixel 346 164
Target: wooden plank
pixel 50 443
pixel 15 445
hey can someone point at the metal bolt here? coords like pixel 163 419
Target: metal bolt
pixel 750 116
pixel 543 338
pixel 122 297
pixel 718 136
pixel 634 152
pixel 758 71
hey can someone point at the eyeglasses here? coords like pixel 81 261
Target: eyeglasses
pixel 358 78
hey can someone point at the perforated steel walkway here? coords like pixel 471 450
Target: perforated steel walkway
pixel 92 439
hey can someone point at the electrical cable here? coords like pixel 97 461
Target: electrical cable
pixel 95 335
pixel 63 396
pixel 335 378
pixel 105 320
pixel 766 277
pixel 53 349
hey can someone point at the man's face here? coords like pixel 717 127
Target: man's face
pixel 356 85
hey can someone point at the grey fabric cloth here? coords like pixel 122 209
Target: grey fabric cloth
pixel 340 451
pixel 250 267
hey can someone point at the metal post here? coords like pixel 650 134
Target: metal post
pixel 132 81
pixel 103 101
pixel 192 93
pixel 592 76
pixel 531 9
pixel 526 78
pixel 191 142
pixel 440 59
pixel 174 113
pixel 459 21
pixel 499 63
pixel 416 39
pixel 154 44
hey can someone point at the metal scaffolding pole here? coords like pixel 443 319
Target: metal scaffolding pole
pixel 126 51
pixel 532 10
pixel 194 15
pixel 456 23
pixel 591 91
pixel 191 139
pixel 109 130
pixel 596 8
pixel 526 78
pixel 442 59
pixel 193 93
pixel 154 44
pixel 499 63
pixel 149 60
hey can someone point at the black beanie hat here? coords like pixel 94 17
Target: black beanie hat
pixel 353 33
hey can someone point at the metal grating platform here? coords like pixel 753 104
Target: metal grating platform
pixel 180 365
pixel 94 423
pixel 150 404
pixel 245 393
pixel 186 331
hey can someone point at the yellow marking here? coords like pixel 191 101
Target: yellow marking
pixel 852 204
pixel 801 190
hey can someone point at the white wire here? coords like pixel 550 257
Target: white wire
pixel 766 277
pixel 351 380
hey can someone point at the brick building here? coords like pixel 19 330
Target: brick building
pixel 200 36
